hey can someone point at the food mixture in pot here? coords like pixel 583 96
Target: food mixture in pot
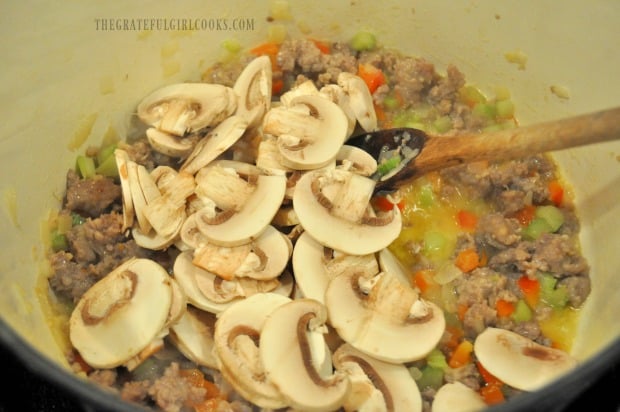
pixel 231 254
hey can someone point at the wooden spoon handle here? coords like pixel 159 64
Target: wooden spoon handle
pixel 440 152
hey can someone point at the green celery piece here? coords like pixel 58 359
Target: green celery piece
pixel 522 312
pixel 108 167
pixel 485 111
pixel 426 196
pixel 76 219
pixel 391 102
pixel 537 227
pixel 556 297
pixel 85 166
pixel 552 215
pixel 436 359
pixel 363 40
pixel 434 243
pixel 105 152
pixel 59 241
pixel 443 124
pixel 431 378
pixel 388 164
pixel 505 109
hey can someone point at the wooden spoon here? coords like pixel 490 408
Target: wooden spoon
pixel 423 153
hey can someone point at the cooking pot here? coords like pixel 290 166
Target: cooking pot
pixel 73 73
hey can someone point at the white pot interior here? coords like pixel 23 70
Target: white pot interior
pixel 65 83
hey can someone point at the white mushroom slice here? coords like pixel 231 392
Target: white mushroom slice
pixel 268 157
pixel 314 268
pixel 122 159
pixel 216 142
pixel 309 132
pixel 169 144
pixel 365 311
pixel 166 213
pixel 337 95
pixel 137 197
pixel 302 89
pixel 163 176
pixel 263 259
pixel 178 305
pixel 356 160
pixel 224 187
pixel 332 205
pixel 192 335
pixel 232 228
pixel 360 100
pixel 285 217
pixel 220 290
pixel 186 107
pixel 150 349
pixel 237 334
pixel 286 350
pixel 457 397
pixel 121 314
pixel 377 385
pixel 389 263
pixel 191 236
pixel 155 241
pixel 253 86
pixel 518 361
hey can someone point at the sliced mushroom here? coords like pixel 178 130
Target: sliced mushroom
pixel 365 311
pixel 122 160
pixel 333 206
pixel 186 107
pixel 288 348
pixel 155 241
pixel 216 142
pixel 377 385
pixel 263 259
pixel 169 144
pixel 220 290
pixel 389 263
pixel 360 100
pixel 354 159
pixel 192 335
pixel 253 86
pixel 314 265
pixel 237 334
pixel 191 236
pixel 178 305
pixel 309 132
pixel 336 94
pixel 247 207
pixel 457 397
pixel 121 314
pixel 519 361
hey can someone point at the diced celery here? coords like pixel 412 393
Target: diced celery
pixel 537 227
pixel 522 312
pixel 471 95
pixel 436 359
pixel 388 164
pixel 85 166
pixel 552 215
pixel 108 167
pixel 484 110
pixel 426 196
pixel 431 378
pixel 58 241
pixel 505 109
pixel 391 102
pixel 443 124
pixel 363 40
pixel 231 45
pixel 76 219
pixel 434 242
pixel 556 297
pixel 105 152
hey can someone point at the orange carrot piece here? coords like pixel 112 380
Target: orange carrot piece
pixel 276 86
pixel 455 333
pixel 492 394
pixel 466 220
pixel 461 355
pixel 530 289
pixel 372 76
pixel 461 310
pixel 467 260
pixel 322 46
pixel 556 192
pixel 504 308
pixel 489 378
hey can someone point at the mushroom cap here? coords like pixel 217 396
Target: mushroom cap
pixel 360 100
pixel 357 160
pixel 398 388
pixel 383 322
pixel 351 237
pixel 169 144
pixel 185 107
pixel 192 335
pixel 457 397
pixel 253 218
pixel 121 314
pixel 237 334
pixel 519 361
pixel 287 345
pixel 253 87
pixel 389 263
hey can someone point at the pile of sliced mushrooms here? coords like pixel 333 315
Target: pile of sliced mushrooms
pixel 269 187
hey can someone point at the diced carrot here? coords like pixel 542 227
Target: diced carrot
pixel 380 114
pixel 322 46
pixel 455 333
pixel 372 76
pixel 196 378
pixel 461 310
pixel 268 49
pixel 504 308
pixel 209 405
pixel 466 220
pixel 556 192
pixel 421 279
pixel 276 86
pixel 384 204
pixel 525 215
pixel 530 289
pixel 492 394
pixel 489 378
pixel 461 355
pixel 467 260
